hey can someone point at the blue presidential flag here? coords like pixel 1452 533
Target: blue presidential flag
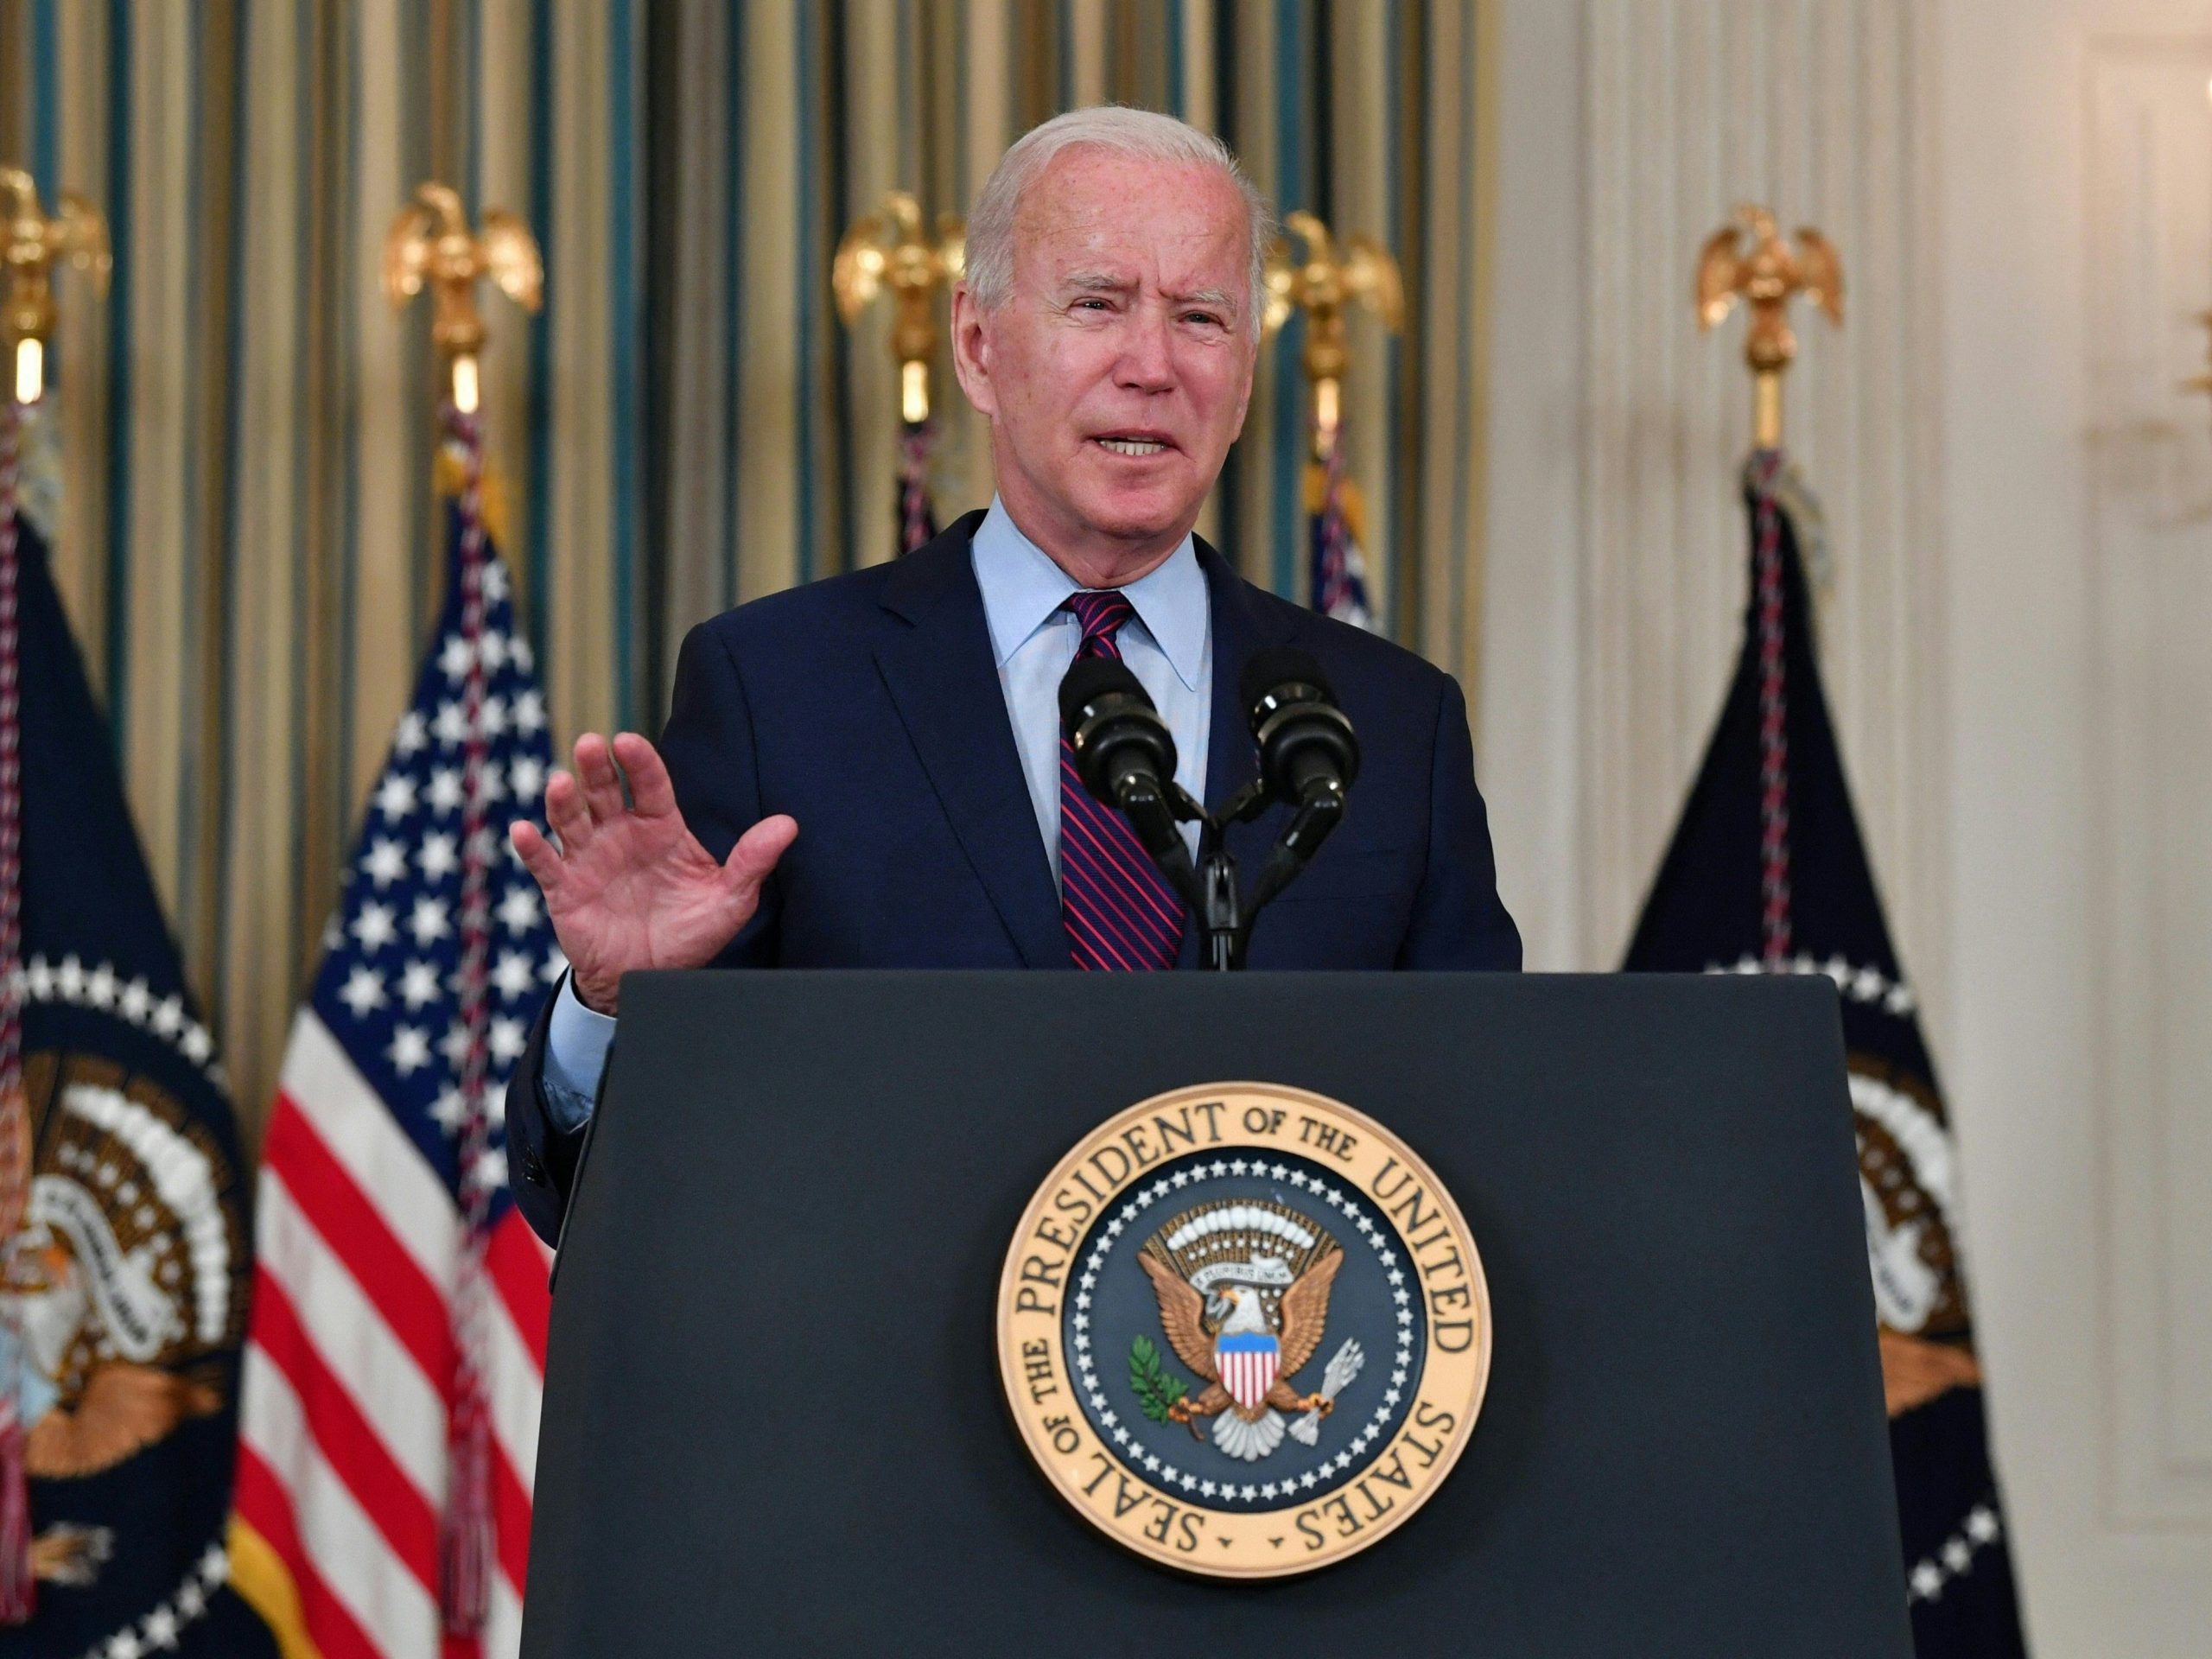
pixel 123 1296
pixel 1767 875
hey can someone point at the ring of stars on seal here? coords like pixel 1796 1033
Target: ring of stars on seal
pixel 1243 1330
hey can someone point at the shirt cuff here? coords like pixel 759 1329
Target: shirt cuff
pixel 576 1041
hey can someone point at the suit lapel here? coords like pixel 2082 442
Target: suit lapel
pixel 1242 623
pixel 938 670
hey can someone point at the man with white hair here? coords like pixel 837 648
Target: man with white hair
pixel 867 771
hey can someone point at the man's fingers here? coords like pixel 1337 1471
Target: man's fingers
pixel 567 815
pixel 650 792
pixel 537 853
pixel 753 859
pixel 595 772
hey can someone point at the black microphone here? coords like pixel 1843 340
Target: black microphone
pixel 1308 757
pixel 1123 752
pixel 1308 753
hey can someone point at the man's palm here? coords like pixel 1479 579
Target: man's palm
pixel 644 893
pixel 630 887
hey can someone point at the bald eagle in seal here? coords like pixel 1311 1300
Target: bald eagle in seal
pixel 1201 1326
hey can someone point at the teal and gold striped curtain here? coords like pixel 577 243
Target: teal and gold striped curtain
pixel 249 542
pixel 775 440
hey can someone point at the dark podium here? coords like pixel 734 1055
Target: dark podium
pixel 773 1417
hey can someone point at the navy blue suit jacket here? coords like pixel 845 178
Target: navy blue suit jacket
pixel 868 707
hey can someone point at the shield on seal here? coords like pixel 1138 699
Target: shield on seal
pixel 1246 1362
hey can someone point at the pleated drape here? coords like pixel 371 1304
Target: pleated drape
pixel 249 542
pixel 775 461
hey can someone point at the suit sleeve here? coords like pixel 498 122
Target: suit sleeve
pixel 708 747
pixel 1459 921
pixel 541 1159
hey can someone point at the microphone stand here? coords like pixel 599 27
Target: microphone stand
pixel 1210 888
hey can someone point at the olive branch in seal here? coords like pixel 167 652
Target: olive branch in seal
pixel 1157 1389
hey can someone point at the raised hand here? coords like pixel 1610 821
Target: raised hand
pixel 629 886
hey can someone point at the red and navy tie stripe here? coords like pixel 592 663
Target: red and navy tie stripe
pixel 1121 912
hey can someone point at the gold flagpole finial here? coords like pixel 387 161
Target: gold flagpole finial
pixel 1322 285
pixel 429 245
pixel 31 245
pixel 1765 278
pixel 889 249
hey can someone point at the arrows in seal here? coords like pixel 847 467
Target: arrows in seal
pixel 1344 1365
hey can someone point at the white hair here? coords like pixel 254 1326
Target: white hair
pixel 1143 133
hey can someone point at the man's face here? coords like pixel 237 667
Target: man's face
pixel 1117 374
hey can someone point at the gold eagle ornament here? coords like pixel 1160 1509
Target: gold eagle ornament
pixel 1765 276
pixel 31 246
pixel 890 252
pixel 429 246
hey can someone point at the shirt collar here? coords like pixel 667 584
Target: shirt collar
pixel 1022 588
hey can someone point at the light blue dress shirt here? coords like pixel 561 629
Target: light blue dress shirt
pixel 1168 645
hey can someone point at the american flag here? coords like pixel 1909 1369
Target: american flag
pixel 353 1367
pixel 1339 567
pixel 916 517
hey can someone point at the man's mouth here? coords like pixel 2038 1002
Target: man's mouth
pixel 1137 448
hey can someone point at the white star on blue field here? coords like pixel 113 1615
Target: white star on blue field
pixel 388 986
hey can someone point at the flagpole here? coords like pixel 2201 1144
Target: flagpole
pixel 18 1590
pixel 1765 276
pixel 430 245
pixel 889 252
pixel 1327 281
pixel 1774 749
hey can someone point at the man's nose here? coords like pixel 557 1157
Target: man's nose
pixel 1148 355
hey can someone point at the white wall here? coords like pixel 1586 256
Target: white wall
pixel 2016 644
pixel 1630 130
pixel 2077 139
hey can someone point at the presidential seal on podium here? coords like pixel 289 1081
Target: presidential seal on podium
pixel 1243 1330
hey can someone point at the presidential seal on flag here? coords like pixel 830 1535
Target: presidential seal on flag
pixel 1244 1330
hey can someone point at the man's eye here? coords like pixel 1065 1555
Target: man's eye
pixel 1096 304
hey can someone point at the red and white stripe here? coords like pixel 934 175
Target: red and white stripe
pixel 350 1367
pixel 1247 1373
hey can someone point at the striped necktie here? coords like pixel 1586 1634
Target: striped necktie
pixel 1121 913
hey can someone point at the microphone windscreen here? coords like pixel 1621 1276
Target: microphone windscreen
pixel 1274 665
pixel 1089 679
